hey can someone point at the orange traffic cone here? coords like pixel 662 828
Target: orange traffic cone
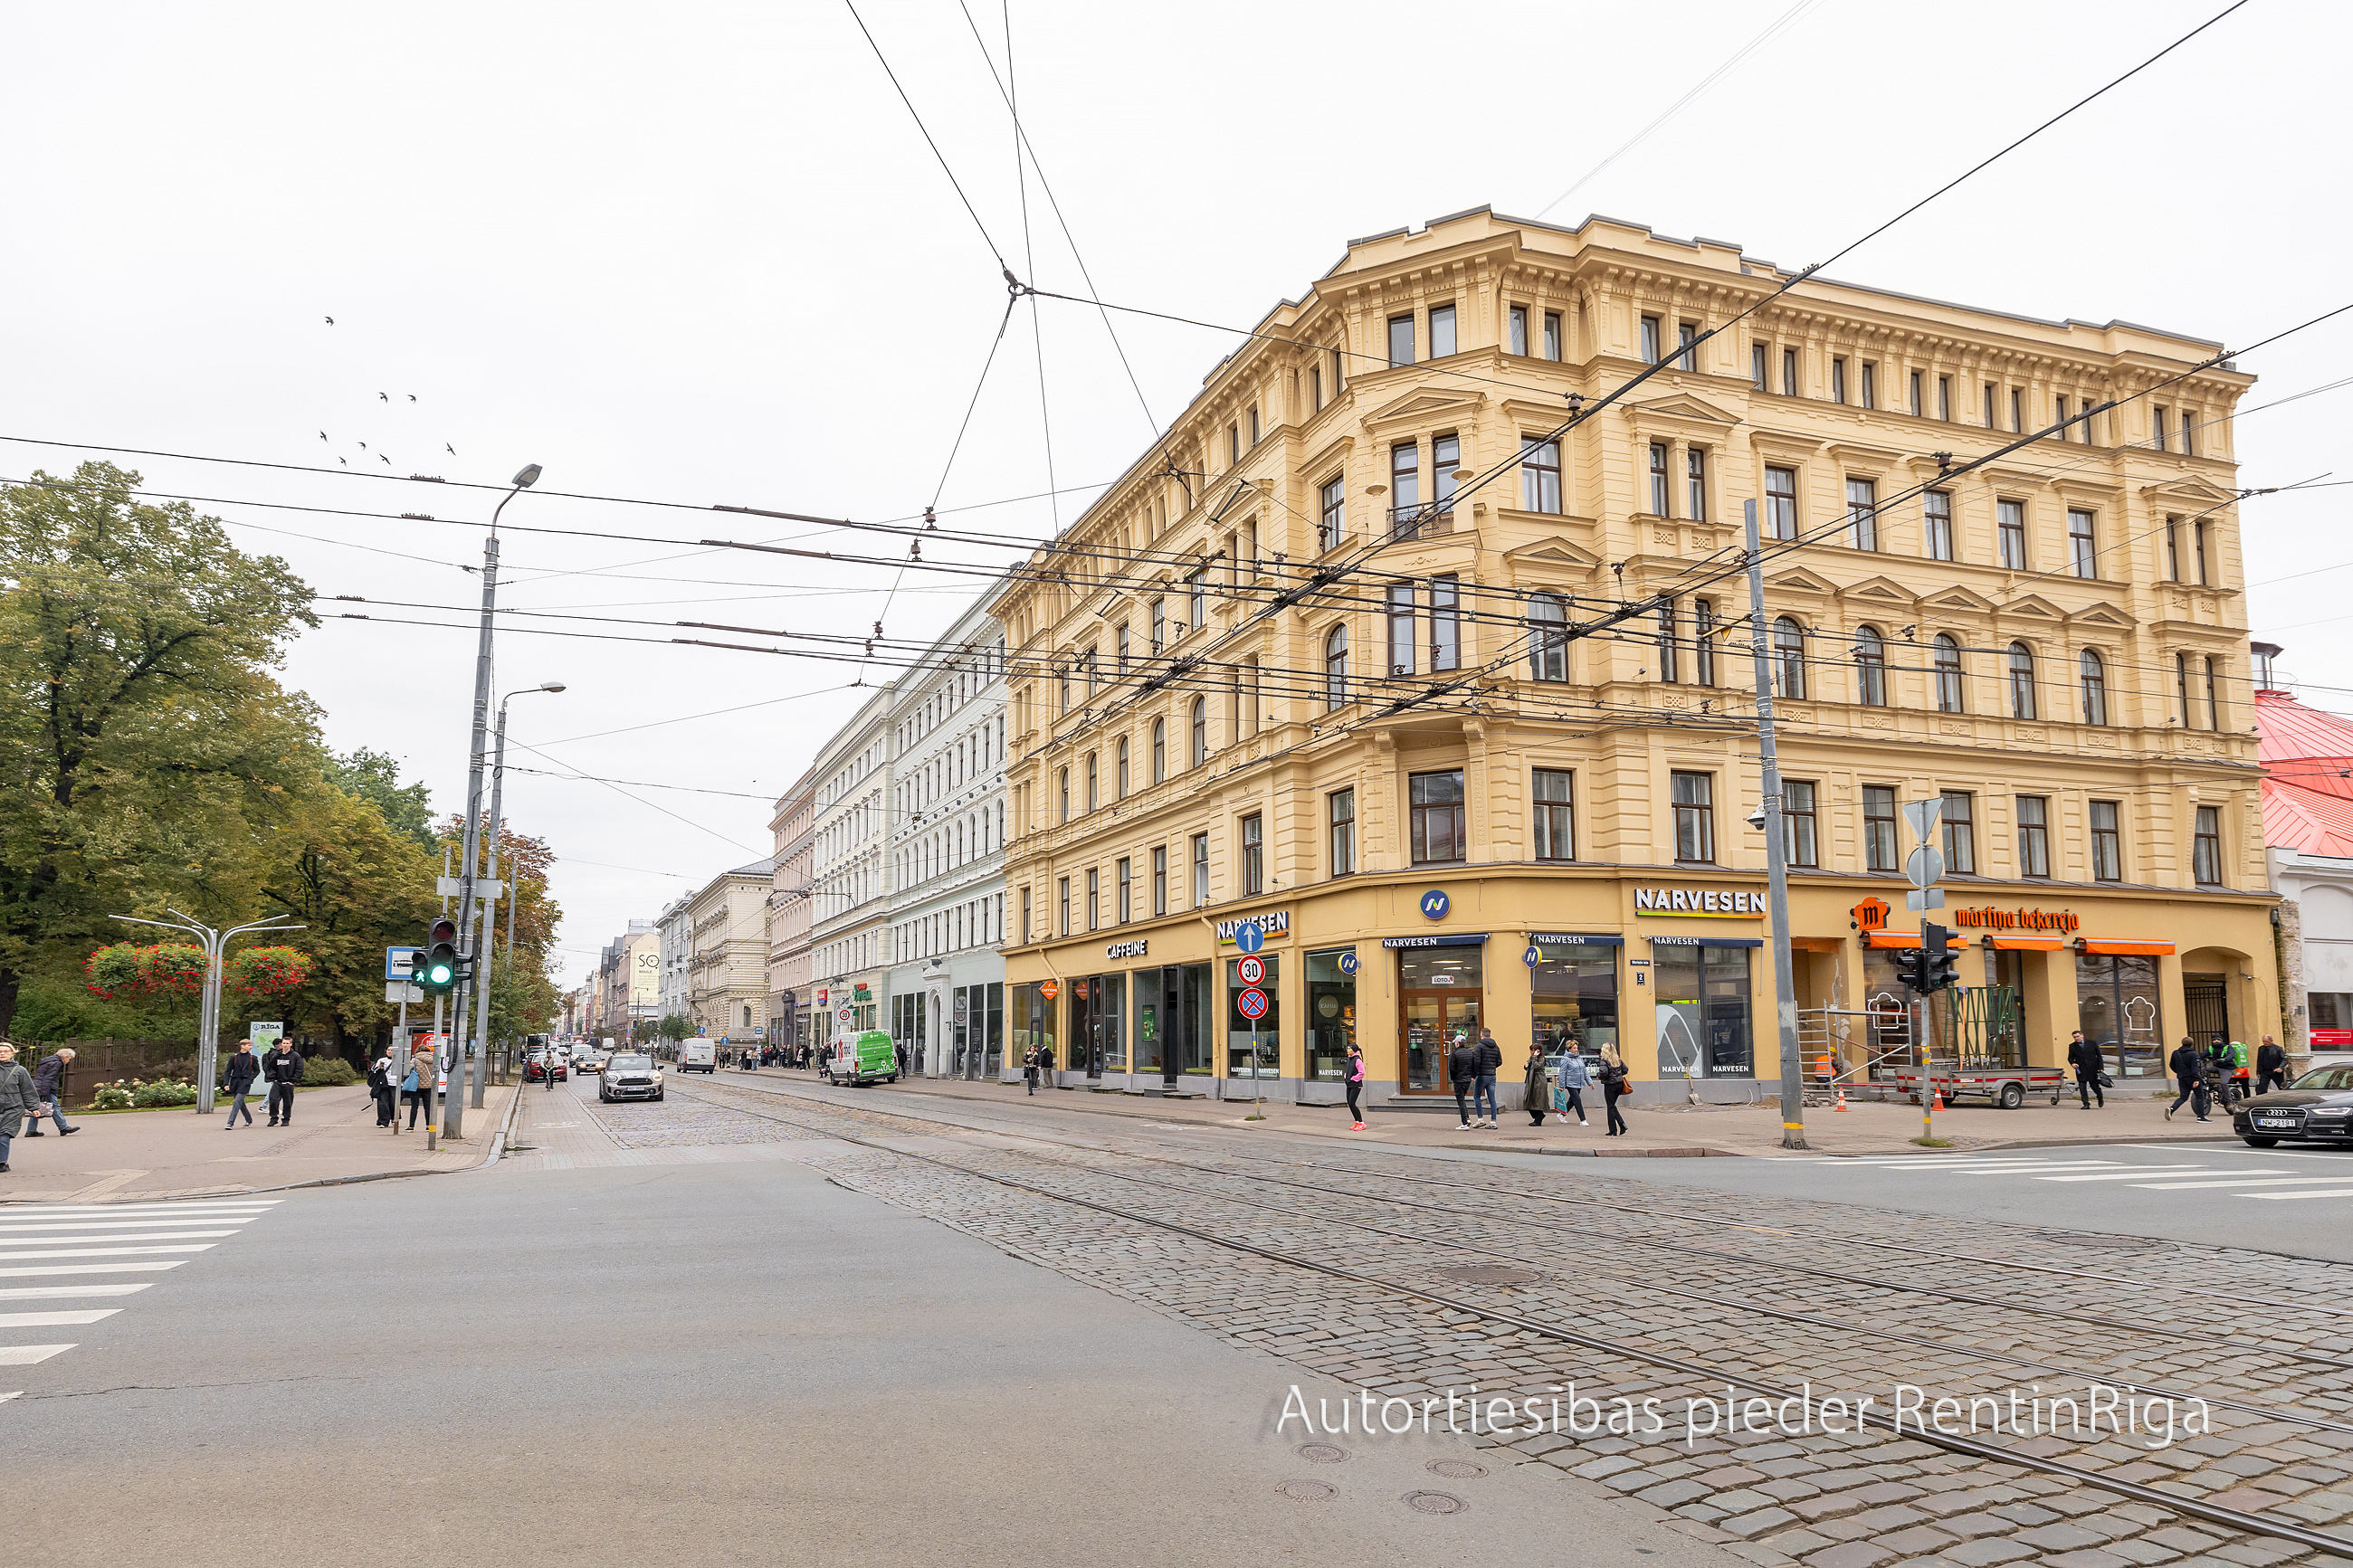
pixel 1841 1098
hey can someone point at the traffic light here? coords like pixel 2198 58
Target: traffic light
pixel 1912 969
pixel 1942 965
pixel 437 971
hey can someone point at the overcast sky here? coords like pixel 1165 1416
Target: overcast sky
pixel 700 253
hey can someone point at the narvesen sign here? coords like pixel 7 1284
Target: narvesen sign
pixel 1723 903
pixel 2017 920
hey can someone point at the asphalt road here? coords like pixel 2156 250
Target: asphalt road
pixel 725 1364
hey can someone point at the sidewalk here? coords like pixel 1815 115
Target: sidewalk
pixel 178 1154
pixel 1864 1128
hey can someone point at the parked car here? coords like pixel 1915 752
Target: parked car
pixel 537 1065
pixel 2317 1107
pixel 629 1075
pixel 698 1055
pixel 860 1059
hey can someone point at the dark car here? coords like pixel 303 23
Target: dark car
pixel 2317 1106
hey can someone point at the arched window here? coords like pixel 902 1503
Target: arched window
pixel 1947 661
pixel 1119 785
pixel 2095 688
pixel 2021 681
pixel 1093 797
pixel 1336 668
pixel 1870 667
pixel 1547 638
pixel 1159 750
pixel 1062 778
pixel 1200 731
pixel 1789 658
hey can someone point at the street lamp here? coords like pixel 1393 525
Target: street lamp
pixel 209 1011
pixel 491 854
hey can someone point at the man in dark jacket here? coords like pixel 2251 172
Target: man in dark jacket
pixel 49 1084
pixel 1491 1061
pixel 282 1067
pixel 1463 1072
pixel 2270 1066
pixel 2188 1071
pixel 2090 1065
pixel 237 1075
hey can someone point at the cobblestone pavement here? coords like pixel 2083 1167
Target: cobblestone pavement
pixel 1693 1279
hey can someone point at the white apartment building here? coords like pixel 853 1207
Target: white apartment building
pixel 675 944
pixel 791 957
pixel 945 848
pixel 850 874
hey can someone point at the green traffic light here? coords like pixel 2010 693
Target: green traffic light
pixel 439 974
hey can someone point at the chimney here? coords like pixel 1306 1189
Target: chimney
pixel 2266 685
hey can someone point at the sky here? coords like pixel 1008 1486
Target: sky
pixel 699 256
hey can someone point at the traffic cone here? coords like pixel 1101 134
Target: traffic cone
pixel 1841 1098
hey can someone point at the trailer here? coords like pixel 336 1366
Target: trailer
pixel 2005 1087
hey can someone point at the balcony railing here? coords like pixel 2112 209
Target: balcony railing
pixel 1413 521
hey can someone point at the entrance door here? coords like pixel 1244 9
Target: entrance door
pixel 1435 1023
pixel 2206 999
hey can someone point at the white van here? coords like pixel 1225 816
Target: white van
pixel 697 1056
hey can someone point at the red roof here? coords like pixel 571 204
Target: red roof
pixel 2307 788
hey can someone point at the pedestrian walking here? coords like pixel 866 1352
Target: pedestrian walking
pixel 1568 1091
pixel 379 1088
pixel 237 1075
pixel 901 1052
pixel 18 1098
pixel 1030 1071
pixel 1356 1081
pixel 49 1084
pixel 282 1069
pixel 2190 1072
pixel 2091 1070
pixel 1615 1081
pixel 421 1072
pixel 1539 1086
pixel 1463 1072
pixel 2221 1066
pixel 2270 1066
pixel 1491 1061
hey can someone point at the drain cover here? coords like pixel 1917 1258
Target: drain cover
pixel 1322 1453
pixel 1456 1470
pixel 1306 1491
pixel 1490 1274
pixel 2095 1243
pixel 1435 1502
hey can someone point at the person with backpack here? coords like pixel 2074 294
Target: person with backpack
pixel 2188 1071
pixel 2091 1070
pixel 1463 1072
pixel 49 1083
pixel 1356 1081
pixel 422 1070
pixel 1615 1082
pixel 237 1075
pixel 380 1089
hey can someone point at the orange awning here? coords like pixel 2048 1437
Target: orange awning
pixel 2142 949
pixel 2026 943
pixel 1912 939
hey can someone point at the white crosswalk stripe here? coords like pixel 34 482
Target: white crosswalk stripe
pixel 62 1245
pixel 2260 1182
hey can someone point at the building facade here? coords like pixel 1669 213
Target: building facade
pixel 629 981
pixel 793 829
pixel 2307 792
pixel 945 849
pixel 849 887
pixel 1455 706
pixel 726 960
pixel 673 945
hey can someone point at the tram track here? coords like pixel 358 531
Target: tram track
pixel 2246 1521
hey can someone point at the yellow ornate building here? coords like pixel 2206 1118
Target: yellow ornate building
pixel 1301 669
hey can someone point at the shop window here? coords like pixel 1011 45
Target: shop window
pixel 2206 856
pixel 1960 832
pixel 1574 998
pixel 2107 843
pixel 1695 808
pixel 1879 852
pixel 1797 838
pixel 2117 1007
pixel 1331 1016
pixel 1172 1019
pixel 1554 810
pixel 1436 812
pixel 1033 1019
pixel 2033 836
pixel 1705 1006
pixel 1253 1045
pixel 1341 811
pixel 1441 1003
pixel 1098 1018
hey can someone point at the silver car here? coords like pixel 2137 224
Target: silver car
pixel 628 1076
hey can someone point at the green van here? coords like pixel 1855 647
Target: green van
pixel 862 1059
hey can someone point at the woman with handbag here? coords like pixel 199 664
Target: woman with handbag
pixel 1538 1096
pixel 1615 1082
pixel 412 1086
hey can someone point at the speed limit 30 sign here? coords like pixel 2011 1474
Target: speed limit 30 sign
pixel 1253 970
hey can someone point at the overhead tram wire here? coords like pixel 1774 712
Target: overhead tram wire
pixel 987 238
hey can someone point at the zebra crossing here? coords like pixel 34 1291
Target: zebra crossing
pixel 2268 1178
pixel 62 1252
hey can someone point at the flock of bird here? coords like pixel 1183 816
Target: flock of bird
pixel 380 457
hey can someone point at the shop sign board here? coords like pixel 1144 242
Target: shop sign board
pixel 1135 949
pixel 1049 989
pixel 1995 919
pixel 1271 923
pixel 1349 963
pixel 1722 903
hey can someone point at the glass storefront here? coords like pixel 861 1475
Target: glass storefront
pixel 1575 1003
pixel 1331 1014
pixel 1252 1046
pixel 1033 1021
pixel 978 1031
pixel 1098 1024
pixel 2116 1008
pixel 907 1021
pixel 1172 1019
pixel 1705 1006
pixel 1440 993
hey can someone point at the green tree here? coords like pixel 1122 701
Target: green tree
pixel 142 731
pixel 374 777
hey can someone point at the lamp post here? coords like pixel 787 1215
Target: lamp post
pixel 490 856
pixel 209 1011
pixel 454 1119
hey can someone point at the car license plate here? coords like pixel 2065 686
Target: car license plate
pixel 2284 1123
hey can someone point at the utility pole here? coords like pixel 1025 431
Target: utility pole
pixel 1777 852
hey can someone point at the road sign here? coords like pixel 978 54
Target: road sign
pixel 402 991
pixel 1924 866
pixel 400 962
pixel 1248 937
pixel 1348 964
pixel 1532 957
pixel 1923 814
pixel 1252 970
pixel 1435 903
pixel 1252 1003
pixel 845 1016
pixel 1924 899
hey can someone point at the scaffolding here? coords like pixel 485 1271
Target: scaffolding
pixel 1842 1046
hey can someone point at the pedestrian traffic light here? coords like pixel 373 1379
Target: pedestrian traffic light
pixel 1943 966
pixel 437 971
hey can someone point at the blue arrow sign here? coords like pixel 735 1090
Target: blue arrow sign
pixel 1248 937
